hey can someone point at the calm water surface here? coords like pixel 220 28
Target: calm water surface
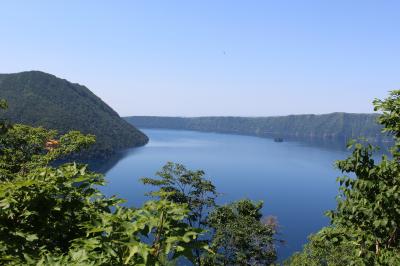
pixel 296 181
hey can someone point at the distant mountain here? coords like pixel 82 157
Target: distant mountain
pixel 334 126
pixel 40 99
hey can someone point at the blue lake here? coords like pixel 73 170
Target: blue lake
pixel 296 181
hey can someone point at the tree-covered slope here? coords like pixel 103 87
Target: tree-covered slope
pixel 40 99
pixel 336 126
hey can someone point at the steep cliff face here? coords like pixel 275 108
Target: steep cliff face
pixel 40 99
pixel 337 126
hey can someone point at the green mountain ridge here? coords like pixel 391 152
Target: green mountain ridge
pixel 333 126
pixel 40 99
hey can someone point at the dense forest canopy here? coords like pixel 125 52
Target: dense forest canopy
pixel 40 99
pixel 335 126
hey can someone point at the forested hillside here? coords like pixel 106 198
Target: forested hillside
pixel 40 99
pixel 336 126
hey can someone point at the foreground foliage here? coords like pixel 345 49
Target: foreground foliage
pixel 241 237
pixel 237 234
pixel 56 215
pixel 365 226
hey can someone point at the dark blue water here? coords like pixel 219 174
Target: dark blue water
pixel 296 181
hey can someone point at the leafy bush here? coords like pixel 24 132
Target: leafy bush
pixel 237 234
pixel 56 214
pixel 366 221
pixel 241 237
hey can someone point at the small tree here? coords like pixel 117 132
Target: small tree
pixel 240 236
pixel 184 186
pixel 188 187
pixel 366 221
pixel 369 204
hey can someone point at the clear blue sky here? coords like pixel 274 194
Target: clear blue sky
pixel 196 58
